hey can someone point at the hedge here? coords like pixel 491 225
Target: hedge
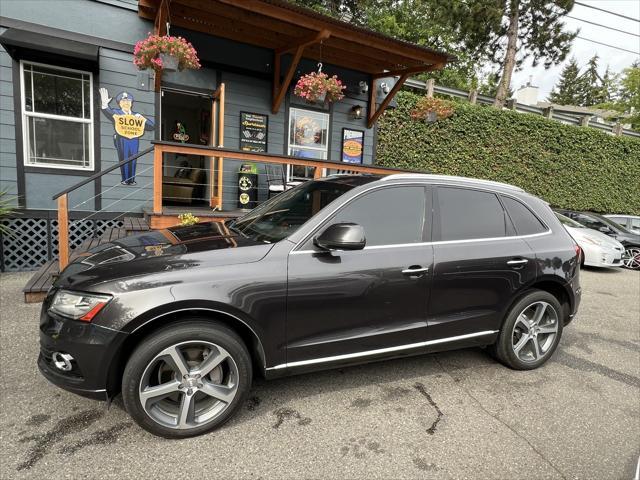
pixel 571 167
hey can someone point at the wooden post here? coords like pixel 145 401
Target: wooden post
pixel 157 179
pixel 212 160
pixel 473 96
pixel 511 103
pixel 584 120
pixel 317 173
pixel 431 83
pixel 617 129
pixel 548 112
pixel 220 144
pixel 63 231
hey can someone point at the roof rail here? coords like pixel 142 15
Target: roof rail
pixel 451 178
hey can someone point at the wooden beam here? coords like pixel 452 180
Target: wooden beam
pixel 63 231
pixel 160 28
pixel 374 112
pixel 305 42
pixel 157 180
pixel 221 100
pixel 410 70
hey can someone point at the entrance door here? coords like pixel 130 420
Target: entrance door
pixel 186 117
pixel 352 303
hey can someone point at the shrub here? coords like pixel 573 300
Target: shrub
pixel 187 219
pixel 571 167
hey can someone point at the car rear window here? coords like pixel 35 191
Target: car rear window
pixel 525 222
pixel 469 214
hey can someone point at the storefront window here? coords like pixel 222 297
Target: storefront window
pixel 57 117
pixel 308 138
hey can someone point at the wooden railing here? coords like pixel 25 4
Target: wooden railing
pixel 217 154
pixel 224 153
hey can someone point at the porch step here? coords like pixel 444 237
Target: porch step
pixel 38 285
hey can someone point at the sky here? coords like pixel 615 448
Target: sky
pixel 583 50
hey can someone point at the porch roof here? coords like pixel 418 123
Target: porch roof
pixel 283 27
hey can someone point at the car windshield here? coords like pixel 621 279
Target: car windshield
pixel 568 222
pixel 282 215
pixel 613 224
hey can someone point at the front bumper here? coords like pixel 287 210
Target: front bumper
pixel 92 347
pixel 598 256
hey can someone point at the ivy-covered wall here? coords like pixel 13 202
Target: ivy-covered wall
pixel 572 167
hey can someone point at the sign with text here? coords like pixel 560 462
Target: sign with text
pixel 352 145
pixel 254 129
pixel 129 125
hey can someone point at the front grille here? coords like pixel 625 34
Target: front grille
pixel 47 357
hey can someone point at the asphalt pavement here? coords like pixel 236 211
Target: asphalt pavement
pixel 455 415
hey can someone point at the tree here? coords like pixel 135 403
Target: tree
pixel 532 28
pixel 590 84
pixel 630 93
pixel 566 91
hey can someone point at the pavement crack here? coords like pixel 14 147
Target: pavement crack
pixel 421 388
pixel 501 421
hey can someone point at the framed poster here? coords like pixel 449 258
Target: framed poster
pixel 254 131
pixel 352 145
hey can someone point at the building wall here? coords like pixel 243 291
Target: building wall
pixel 244 69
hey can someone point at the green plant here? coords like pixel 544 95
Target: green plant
pixel 6 209
pixel 315 85
pixel 569 166
pixel 187 219
pixel 146 53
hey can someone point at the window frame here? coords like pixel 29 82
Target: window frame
pixel 25 115
pixel 306 244
pixel 545 227
pixel 291 146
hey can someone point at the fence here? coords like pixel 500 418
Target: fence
pixel 550 113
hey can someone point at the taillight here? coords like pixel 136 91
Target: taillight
pixel 578 253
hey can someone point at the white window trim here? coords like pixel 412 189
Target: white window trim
pixel 26 115
pixel 291 146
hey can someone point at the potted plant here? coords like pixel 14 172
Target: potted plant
pixel 318 87
pixel 431 109
pixel 165 53
pixel 187 219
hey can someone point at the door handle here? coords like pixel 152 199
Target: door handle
pixel 521 261
pixel 416 270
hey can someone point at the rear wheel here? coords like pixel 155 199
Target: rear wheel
pixel 187 379
pixel 531 332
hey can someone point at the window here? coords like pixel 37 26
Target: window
pixel 589 222
pixel 389 216
pixel 469 214
pixel 57 117
pixel 308 138
pixel 523 219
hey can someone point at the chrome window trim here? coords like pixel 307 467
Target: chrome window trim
pixel 380 351
pixel 441 242
pixel 416 182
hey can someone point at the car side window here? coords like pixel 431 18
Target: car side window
pixel 389 216
pixel 590 222
pixel 466 214
pixel 635 222
pixel 523 219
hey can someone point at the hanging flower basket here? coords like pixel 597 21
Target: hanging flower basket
pixel 318 87
pixel 165 53
pixel 431 109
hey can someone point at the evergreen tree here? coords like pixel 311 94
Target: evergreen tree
pixel 590 84
pixel 609 87
pixel 567 91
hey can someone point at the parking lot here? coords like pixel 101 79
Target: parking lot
pixel 449 415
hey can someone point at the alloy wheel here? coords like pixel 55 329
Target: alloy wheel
pixel 188 384
pixel 534 331
pixel 631 258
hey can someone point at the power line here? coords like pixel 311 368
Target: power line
pixel 607 45
pixel 605 26
pixel 608 11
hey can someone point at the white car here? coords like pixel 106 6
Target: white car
pixel 599 250
pixel 630 222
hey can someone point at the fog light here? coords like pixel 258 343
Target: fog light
pixel 62 361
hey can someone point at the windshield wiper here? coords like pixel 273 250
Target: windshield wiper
pixel 233 228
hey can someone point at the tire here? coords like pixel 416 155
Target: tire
pixel 631 255
pixel 192 377
pixel 520 337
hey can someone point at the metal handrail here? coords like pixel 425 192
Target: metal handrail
pixel 101 173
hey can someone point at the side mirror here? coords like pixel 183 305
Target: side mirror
pixel 605 230
pixel 341 236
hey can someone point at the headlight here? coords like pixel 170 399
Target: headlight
pixel 593 241
pixel 79 306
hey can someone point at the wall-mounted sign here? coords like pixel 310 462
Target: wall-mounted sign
pixel 352 145
pixel 254 129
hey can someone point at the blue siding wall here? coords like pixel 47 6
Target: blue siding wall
pixel 8 171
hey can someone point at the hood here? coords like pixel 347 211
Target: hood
pixel 177 248
pixel 579 234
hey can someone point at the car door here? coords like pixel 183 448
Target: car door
pixel 348 304
pixel 479 264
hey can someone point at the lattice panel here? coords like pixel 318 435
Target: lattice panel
pixel 29 246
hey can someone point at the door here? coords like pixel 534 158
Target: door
pixel 480 262
pixel 350 303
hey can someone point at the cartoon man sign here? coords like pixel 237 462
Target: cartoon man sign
pixel 129 127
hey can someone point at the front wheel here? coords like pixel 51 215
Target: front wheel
pixel 186 379
pixel 631 258
pixel 531 332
